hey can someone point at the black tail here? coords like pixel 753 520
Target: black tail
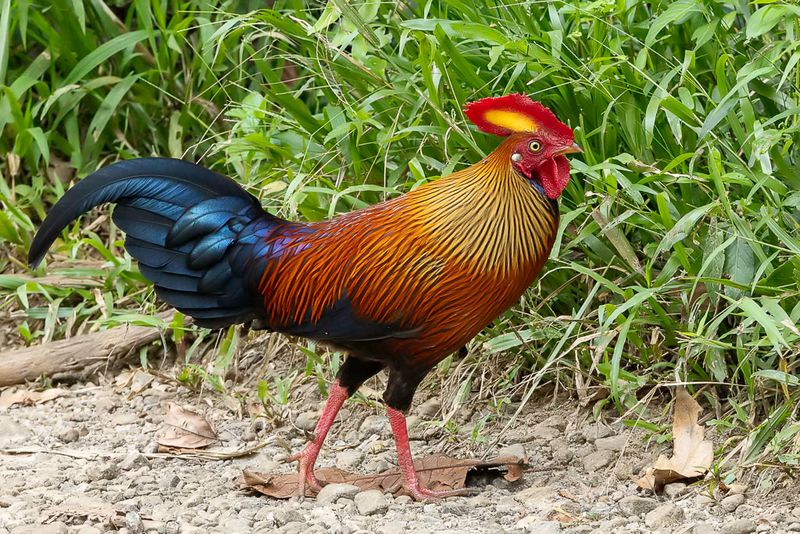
pixel 197 235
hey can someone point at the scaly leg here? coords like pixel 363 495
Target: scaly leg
pixel 308 456
pixel 411 481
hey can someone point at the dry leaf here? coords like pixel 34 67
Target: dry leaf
pixel 435 472
pixel 28 398
pixel 185 429
pixel 692 455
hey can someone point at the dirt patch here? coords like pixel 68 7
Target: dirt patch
pixel 87 462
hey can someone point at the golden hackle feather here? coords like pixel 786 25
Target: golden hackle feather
pixel 445 258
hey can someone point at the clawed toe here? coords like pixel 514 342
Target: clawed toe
pixel 421 493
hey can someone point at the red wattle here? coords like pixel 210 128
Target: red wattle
pixel 554 175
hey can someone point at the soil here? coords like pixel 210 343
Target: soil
pixel 87 462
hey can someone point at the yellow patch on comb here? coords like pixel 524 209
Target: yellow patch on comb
pixel 511 120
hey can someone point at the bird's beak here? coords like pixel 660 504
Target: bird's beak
pixel 574 149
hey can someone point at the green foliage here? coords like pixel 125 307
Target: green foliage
pixel 678 256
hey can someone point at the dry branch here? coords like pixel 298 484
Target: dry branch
pixel 77 357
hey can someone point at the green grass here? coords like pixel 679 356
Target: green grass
pixel 678 259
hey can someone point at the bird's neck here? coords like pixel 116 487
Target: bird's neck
pixel 490 216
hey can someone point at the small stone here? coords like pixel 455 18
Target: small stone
pixel 393 527
pixel 562 451
pixel 349 460
pixel 307 421
pixel 237 525
pixel 637 506
pixel 429 408
pixel 13 432
pixel 612 443
pixel 703 528
pixel 134 523
pixel 596 431
pixel 555 421
pixel 172 527
pixel 739 526
pixel 371 502
pixel 168 481
pixel 403 500
pixel 664 516
pixel 283 516
pixel 132 460
pixel 597 460
pixel 333 492
pixel 737 489
pixel 517 450
pixel 104 472
pixel 69 435
pixel 732 502
pixel 124 418
pixel 703 500
pixel 675 489
pixel 537 526
pixel 374 424
pixel 88 529
pixel 544 432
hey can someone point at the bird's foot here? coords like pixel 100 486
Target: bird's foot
pixel 421 493
pixel 305 471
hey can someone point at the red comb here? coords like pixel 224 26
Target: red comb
pixel 504 115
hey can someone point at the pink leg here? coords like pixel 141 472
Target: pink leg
pixel 412 484
pixel 308 456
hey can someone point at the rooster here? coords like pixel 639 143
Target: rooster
pixel 399 285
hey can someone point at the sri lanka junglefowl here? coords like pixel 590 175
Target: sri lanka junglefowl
pixel 398 285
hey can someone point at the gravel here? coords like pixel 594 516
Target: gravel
pixel 666 515
pixel 115 470
pixel 371 502
pixel 333 492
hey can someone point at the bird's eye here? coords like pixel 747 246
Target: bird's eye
pixel 535 146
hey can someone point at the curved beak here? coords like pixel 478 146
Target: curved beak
pixel 574 149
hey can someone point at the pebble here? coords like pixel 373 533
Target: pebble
pixel 596 431
pixel 737 489
pixel 664 516
pixel 430 408
pixel 537 526
pixel 13 432
pixel 70 435
pixel 541 431
pixel 333 492
pixel 597 460
pixel 704 528
pixel 675 489
pixel 732 502
pixel 132 460
pixel 739 526
pixel 307 421
pixel 703 500
pixel 612 443
pixel 88 529
pixel 637 506
pixel 371 502
pixel 374 424
pixel 349 460
pixel 516 449
pixel 134 523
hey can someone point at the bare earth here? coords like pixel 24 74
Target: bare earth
pixel 110 478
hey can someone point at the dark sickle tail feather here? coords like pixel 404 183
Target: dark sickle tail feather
pixel 196 234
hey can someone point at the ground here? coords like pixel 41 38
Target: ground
pixel 86 462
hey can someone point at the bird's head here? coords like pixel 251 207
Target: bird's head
pixel 537 140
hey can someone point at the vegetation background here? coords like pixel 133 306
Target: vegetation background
pixel 678 256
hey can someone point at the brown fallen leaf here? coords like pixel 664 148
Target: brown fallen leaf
pixel 185 429
pixel 435 472
pixel 27 397
pixel 692 455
